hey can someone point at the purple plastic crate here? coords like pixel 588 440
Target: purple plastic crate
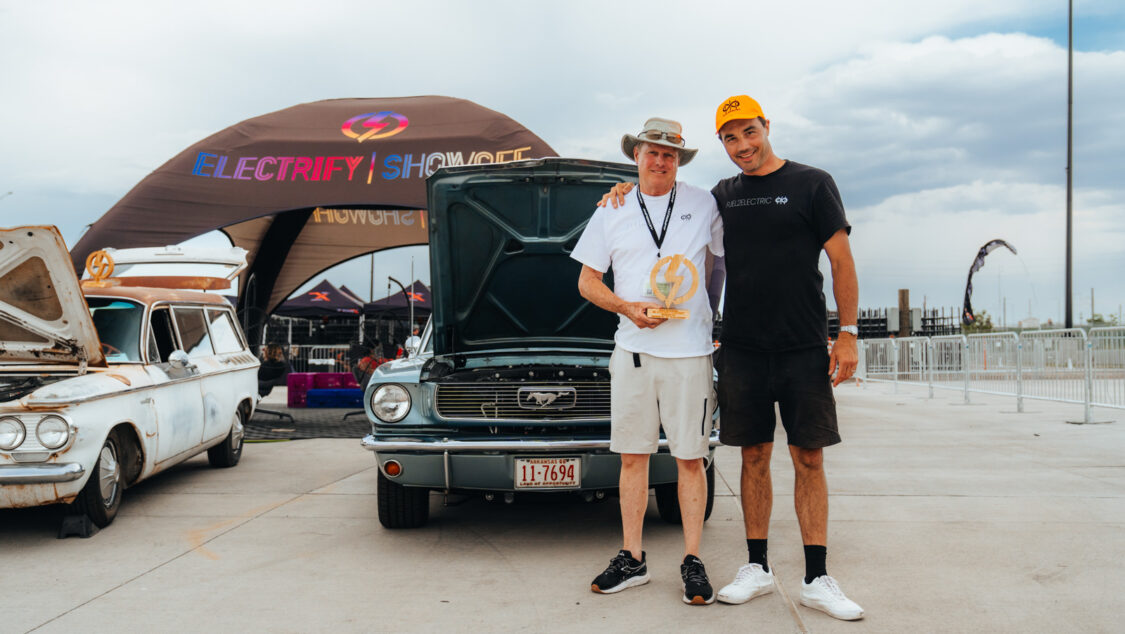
pixel 329 380
pixel 297 398
pixel 299 381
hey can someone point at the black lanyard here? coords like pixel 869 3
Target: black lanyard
pixel 659 240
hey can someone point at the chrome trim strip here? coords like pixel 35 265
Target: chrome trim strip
pixel 516 446
pixel 195 377
pixel 40 473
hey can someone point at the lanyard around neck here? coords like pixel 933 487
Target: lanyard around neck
pixel 658 239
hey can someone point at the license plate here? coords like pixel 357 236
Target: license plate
pixel 548 473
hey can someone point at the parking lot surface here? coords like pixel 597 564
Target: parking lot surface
pixel 944 517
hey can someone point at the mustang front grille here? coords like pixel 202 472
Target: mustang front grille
pixel 541 400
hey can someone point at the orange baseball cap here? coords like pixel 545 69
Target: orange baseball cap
pixel 737 107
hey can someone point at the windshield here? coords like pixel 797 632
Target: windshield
pixel 118 323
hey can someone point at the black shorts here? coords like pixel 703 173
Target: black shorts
pixel 751 382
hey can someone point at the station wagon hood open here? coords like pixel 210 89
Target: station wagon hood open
pixel 500 243
pixel 43 314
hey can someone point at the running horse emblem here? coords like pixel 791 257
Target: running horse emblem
pixel 554 399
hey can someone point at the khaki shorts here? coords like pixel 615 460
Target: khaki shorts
pixel 647 393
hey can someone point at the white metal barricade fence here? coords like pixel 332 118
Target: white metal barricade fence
pixel 912 365
pixel 1107 355
pixel 1065 365
pixel 1055 365
pixel 878 360
pixel 309 358
pixel 994 365
pixel 948 369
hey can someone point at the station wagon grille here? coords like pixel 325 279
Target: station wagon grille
pixel 562 401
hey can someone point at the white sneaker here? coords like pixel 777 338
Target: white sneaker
pixel 751 581
pixel 825 595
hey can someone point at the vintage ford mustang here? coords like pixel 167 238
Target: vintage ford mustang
pixel 106 384
pixel 510 391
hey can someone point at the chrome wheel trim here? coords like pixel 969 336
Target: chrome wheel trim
pixel 109 474
pixel 237 431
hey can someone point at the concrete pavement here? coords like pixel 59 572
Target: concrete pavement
pixel 944 518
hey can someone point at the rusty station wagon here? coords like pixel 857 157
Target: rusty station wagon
pixel 104 384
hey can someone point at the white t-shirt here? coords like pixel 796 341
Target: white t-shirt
pixel 620 238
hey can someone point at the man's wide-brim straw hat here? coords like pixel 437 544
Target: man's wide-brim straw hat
pixel 659 132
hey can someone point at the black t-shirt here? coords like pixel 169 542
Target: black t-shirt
pixel 774 228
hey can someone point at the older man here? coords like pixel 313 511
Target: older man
pixel 778 216
pixel 660 369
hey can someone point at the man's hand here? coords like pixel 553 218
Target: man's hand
pixel 635 311
pixel 843 359
pixel 616 196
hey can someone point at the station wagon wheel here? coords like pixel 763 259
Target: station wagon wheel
pixel 229 452
pixel 101 497
pixel 399 506
pixel 668 499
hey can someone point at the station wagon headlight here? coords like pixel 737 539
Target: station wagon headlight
pixel 12 433
pixel 53 432
pixel 390 403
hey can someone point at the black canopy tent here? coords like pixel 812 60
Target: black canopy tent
pixel 397 306
pixel 310 186
pixel 322 300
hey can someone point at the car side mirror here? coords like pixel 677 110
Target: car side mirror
pixel 179 360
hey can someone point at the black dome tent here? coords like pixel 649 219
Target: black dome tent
pixel 310 186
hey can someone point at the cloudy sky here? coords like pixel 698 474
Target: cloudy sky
pixel 944 124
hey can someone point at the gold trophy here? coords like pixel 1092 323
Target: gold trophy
pixel 674 281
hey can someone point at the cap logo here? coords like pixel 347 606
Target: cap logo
pixel 733 104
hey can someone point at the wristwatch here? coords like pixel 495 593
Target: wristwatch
pixel 851 330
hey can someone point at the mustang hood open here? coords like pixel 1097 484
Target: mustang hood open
pixel 43 315
pixel 500 243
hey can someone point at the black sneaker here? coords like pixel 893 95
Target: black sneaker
pixel 697 589
pixel 623 572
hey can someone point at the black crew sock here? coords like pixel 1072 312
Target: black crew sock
pixel 757 548
pixel 815 557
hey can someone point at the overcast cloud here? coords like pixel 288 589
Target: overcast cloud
pixel 943 124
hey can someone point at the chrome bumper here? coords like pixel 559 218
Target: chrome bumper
pixel 520 446
pixel 40 473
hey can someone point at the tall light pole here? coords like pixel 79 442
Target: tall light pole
pixel 1069 150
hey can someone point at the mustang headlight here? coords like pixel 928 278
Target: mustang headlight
pixel 53 432
pixel 390 403
pixel 12 433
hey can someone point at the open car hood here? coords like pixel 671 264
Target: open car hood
pixel 500 243
pixel 43 315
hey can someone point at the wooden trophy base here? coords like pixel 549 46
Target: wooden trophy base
pixel 667 313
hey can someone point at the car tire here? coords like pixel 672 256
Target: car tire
pixel 402 507
pixel 229 452
pixel 101 497
pixel 668 498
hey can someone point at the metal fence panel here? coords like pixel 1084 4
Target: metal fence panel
pixel 1054 365
pixel 994 364
pixel 948 369
pixel 912 360
pixel 879 360
pixel 1107 354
